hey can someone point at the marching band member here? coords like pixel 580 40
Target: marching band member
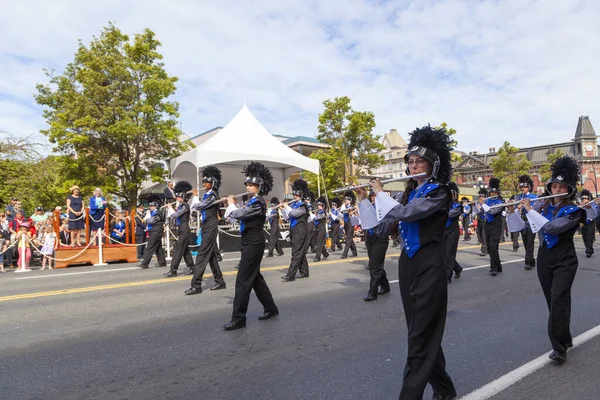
pixel 259 182
pixel 208 251
pixel 423 212
pixel 181 216
pixel 588 229
pixel 347 210
pixel 140 231
pixel 310 231
pixel 320 228
pixel 466 218
pixel 377 245
pixel 297 213
pixel 154 220
pixel 528 237
pixel 480 218
pixel 557 220
pixel 334 219
pixel 452 235
pixel 493 224
pixel 273 217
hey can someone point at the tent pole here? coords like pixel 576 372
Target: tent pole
pixel 198 179
pixel 319 183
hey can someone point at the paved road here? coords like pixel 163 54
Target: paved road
pixel 124 333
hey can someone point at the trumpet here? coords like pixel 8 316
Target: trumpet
pixel 224 199
pixel 402 178
pixel 515 203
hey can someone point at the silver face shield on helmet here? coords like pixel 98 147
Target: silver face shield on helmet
pixel 561 180
pixel 427 154
pixel 254 180
pixel 210 179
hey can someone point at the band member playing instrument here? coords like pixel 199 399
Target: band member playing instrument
pixel 273 217
pixel 155 225
pixel 348 210
pixel 335 216
pixel 528 237
pixel 251 216
pixel 480 229
pixel 466 218
pixel 297 213
pixel 493 224
pixel 588 228
pixel 377 245
pixel 181 216
pixel 320 227
pixel 423 212
pixel 452 235
pixel 557 220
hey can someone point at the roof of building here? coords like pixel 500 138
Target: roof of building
pixel 584 128
pixel 301 139
pixel 204 133
pixel 394 139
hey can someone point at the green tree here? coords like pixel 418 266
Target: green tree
pixel 508 165
pixel 349 133
pixel 331 162
pixel 545 172
pixel 109 111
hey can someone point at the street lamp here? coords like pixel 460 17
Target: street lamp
pixel 480 184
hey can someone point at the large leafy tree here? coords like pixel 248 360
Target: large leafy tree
pixel 545 171
pixel 354 148
pixel 109 111
pixel 508 165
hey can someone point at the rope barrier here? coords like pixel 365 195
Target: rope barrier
pixel 12 245
pixel 101 219
pixel 123 244
pixel 70 258
pixel 76 219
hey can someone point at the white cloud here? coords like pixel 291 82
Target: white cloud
pixel 514 70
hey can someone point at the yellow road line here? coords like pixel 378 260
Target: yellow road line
pixel 182 278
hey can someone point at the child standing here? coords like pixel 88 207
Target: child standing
pixel 24 246
pixel 49 239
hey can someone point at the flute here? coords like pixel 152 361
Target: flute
pixel 225 199
pixel 477 201
pixel 402 178
pixel 515 203
pixel 285 202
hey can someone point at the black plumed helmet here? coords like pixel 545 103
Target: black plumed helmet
pixel 257 174
pixel 321 201
pixel 274 200
pixel 349 194
pixel 182 188
pixel 483 192
pixel 565 170
pixel 464 199
pixel 494 185
pixel 155 200
pixel 525 181
pixel 336 201
pixel 299 187
pixel 309 195
pixel 453 187
pixel 586 194
pixel 212 174
pixel 434 145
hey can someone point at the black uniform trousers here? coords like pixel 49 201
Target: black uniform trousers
pixel 154 246
pixel 139 239
pixel 248 278
pixel 274 238
pixel 298 261
pixel 424 293
pixel 320 237
pixel 310 236
pixel 348 239
pixel 493 231
pixel 481 236
pixel 376 249
pixel 556 271
pixel 515 240
pixel 465 224
pixel 335 236
pixel 588 234
pixel 529 243
pixel 182 250
pixel 451 238
pixel 207 254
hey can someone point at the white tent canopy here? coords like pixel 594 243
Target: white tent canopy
pixel 241 141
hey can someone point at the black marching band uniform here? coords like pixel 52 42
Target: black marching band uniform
pixel 480 230
pixel 273 217
pixel 320 230
pixel 466 218
pixel 423 213
pixel 155 225
pixel 493 224
pixel 297 213
pixel 140 231
pixel 334 219
pixel 588 230
pixel 208 252
pixel 377 245
pixel 349 201
pixel 528 237
pixel 310 228
pixel 557 220
pixel 452 235
pixel 181 216
pixel 252 220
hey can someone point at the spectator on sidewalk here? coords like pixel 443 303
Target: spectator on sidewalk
pixel 49 240
pixel 117 227
pixel 23 245
pixel 10 209
pixel 75 206
pixel 64 234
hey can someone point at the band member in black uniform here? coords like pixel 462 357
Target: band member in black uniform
pixel 259 182
pixel 526 186
pixel 423 212
pixel 480 230
pixel 273 217
pixel 140 231
pixel 155 221
pixel 452 235
pixel 182 222
pixel 557 220
pixel 310 228
pixel 207 253
pixel 348 210
pixel 514 235
pixel 377 245
pixel 320 227
pixel 588 229
pixel 493 224
pixel 466 218
pixel 297 212
pixel 335 216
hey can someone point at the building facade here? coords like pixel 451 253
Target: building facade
pixel 393 154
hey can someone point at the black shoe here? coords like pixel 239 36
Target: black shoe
pixel 161 266
pixel 558 357
pixel 527 267
pixel 316 260
pixel 354 255
pixel 300 276
pixel 170 274
pixel 269 256
pixel 190 271
pixel 220 259
pixel 369 297
pixel 237 266
pixel 437 396
pixel 286 278
pixel 382 291
pixel 218 286
pixel 588 255
pixel 268 315
pixel 499 270
pixel 493 273
pixel 193 290
pixel 457 273
pixel 232 326
pixel 569 345
pixel 279 254
pixel 342 257
pixel 325 258
pixel 142 266
pixel 515 250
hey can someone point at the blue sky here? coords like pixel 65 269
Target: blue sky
pixel 516 70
